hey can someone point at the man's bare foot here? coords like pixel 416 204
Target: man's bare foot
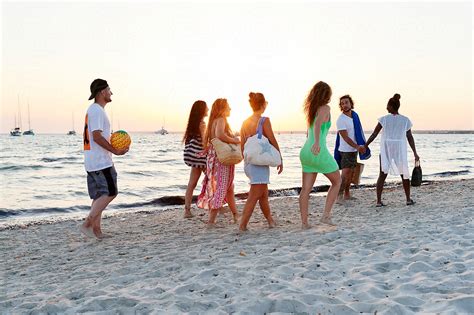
pixel 305 226
pixel 340 200
pixel 328 221
pixel 272 224
pixel 87 231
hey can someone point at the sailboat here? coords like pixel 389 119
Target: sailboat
pixel 72 132
pixel 162 131
pixel 30 131
pixel 16 131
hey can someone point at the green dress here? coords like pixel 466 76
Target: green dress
pixel 324 161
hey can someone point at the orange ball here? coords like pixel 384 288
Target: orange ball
pixel 120 140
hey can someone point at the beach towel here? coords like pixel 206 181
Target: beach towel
pixel 360 140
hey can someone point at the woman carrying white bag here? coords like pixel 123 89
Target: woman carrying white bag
pixel 261 151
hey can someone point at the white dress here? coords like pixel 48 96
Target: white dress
pixel 393 145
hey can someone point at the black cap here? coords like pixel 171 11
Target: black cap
pixel 96 86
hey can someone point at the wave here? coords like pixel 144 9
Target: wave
pixel 178 200
pixel 20 167
pixel 56 159
pixel 138 173
pixel 39 211
pixel 451 173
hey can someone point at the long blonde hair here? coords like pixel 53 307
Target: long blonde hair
pixel 218 111
pixel 319 95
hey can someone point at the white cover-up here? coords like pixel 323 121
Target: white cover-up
pixel 393 145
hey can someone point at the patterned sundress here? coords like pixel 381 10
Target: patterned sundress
pixel 217 181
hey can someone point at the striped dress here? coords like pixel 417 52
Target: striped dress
pixel 192 150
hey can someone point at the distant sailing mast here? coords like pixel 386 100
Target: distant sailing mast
pixel 16 131
pixel 162 131
pixel 30 131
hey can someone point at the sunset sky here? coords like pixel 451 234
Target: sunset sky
pixel 159 57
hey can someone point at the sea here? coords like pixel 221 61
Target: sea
pixel 42 177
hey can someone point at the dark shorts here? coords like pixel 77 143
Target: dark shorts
pixel 103 182
pixel 348 159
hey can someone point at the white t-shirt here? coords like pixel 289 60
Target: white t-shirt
pixel 345 122
pixel 95 157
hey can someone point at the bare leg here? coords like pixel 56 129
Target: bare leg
pixel 265 207
pixel 308 180
pixel 406 187
pixel 93 220
pixel 335 178
pixel 212 217
pixel 380 182
pixel 194 175
pixel 231 202
pixel 346 175
pixel 254 195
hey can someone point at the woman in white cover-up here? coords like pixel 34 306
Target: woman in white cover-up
pixel 393 148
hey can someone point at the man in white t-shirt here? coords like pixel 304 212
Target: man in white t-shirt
pixel 101 174
pixel 348 146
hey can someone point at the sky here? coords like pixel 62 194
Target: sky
pixel 160 57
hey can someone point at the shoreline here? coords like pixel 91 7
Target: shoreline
pixel 22 221
pixel 398 259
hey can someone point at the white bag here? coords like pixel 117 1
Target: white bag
pixel 259 151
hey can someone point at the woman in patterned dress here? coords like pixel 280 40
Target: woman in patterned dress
pixel 218 186
pixel 193 150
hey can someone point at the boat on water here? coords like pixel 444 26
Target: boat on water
pixel 16 132
pixel 162 131
pixel 30 131
pixel 73 131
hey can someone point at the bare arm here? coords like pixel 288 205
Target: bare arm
pixel 100 140
pixel 243 137
pixel 202 129
pixel 411 142
pixel 345 135
pixel 268 132
pixel 373 135
pixel 220 132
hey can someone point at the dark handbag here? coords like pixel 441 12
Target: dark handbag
pixel 416 175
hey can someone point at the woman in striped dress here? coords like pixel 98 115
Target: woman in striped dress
pixel 193 150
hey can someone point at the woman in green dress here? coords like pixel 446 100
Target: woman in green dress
pixel 314 155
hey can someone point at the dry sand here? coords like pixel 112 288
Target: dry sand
pixel 393 260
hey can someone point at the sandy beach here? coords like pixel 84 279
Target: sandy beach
pixel 393 260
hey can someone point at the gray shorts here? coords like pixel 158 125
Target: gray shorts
pixel 103 182
pixel 348 159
